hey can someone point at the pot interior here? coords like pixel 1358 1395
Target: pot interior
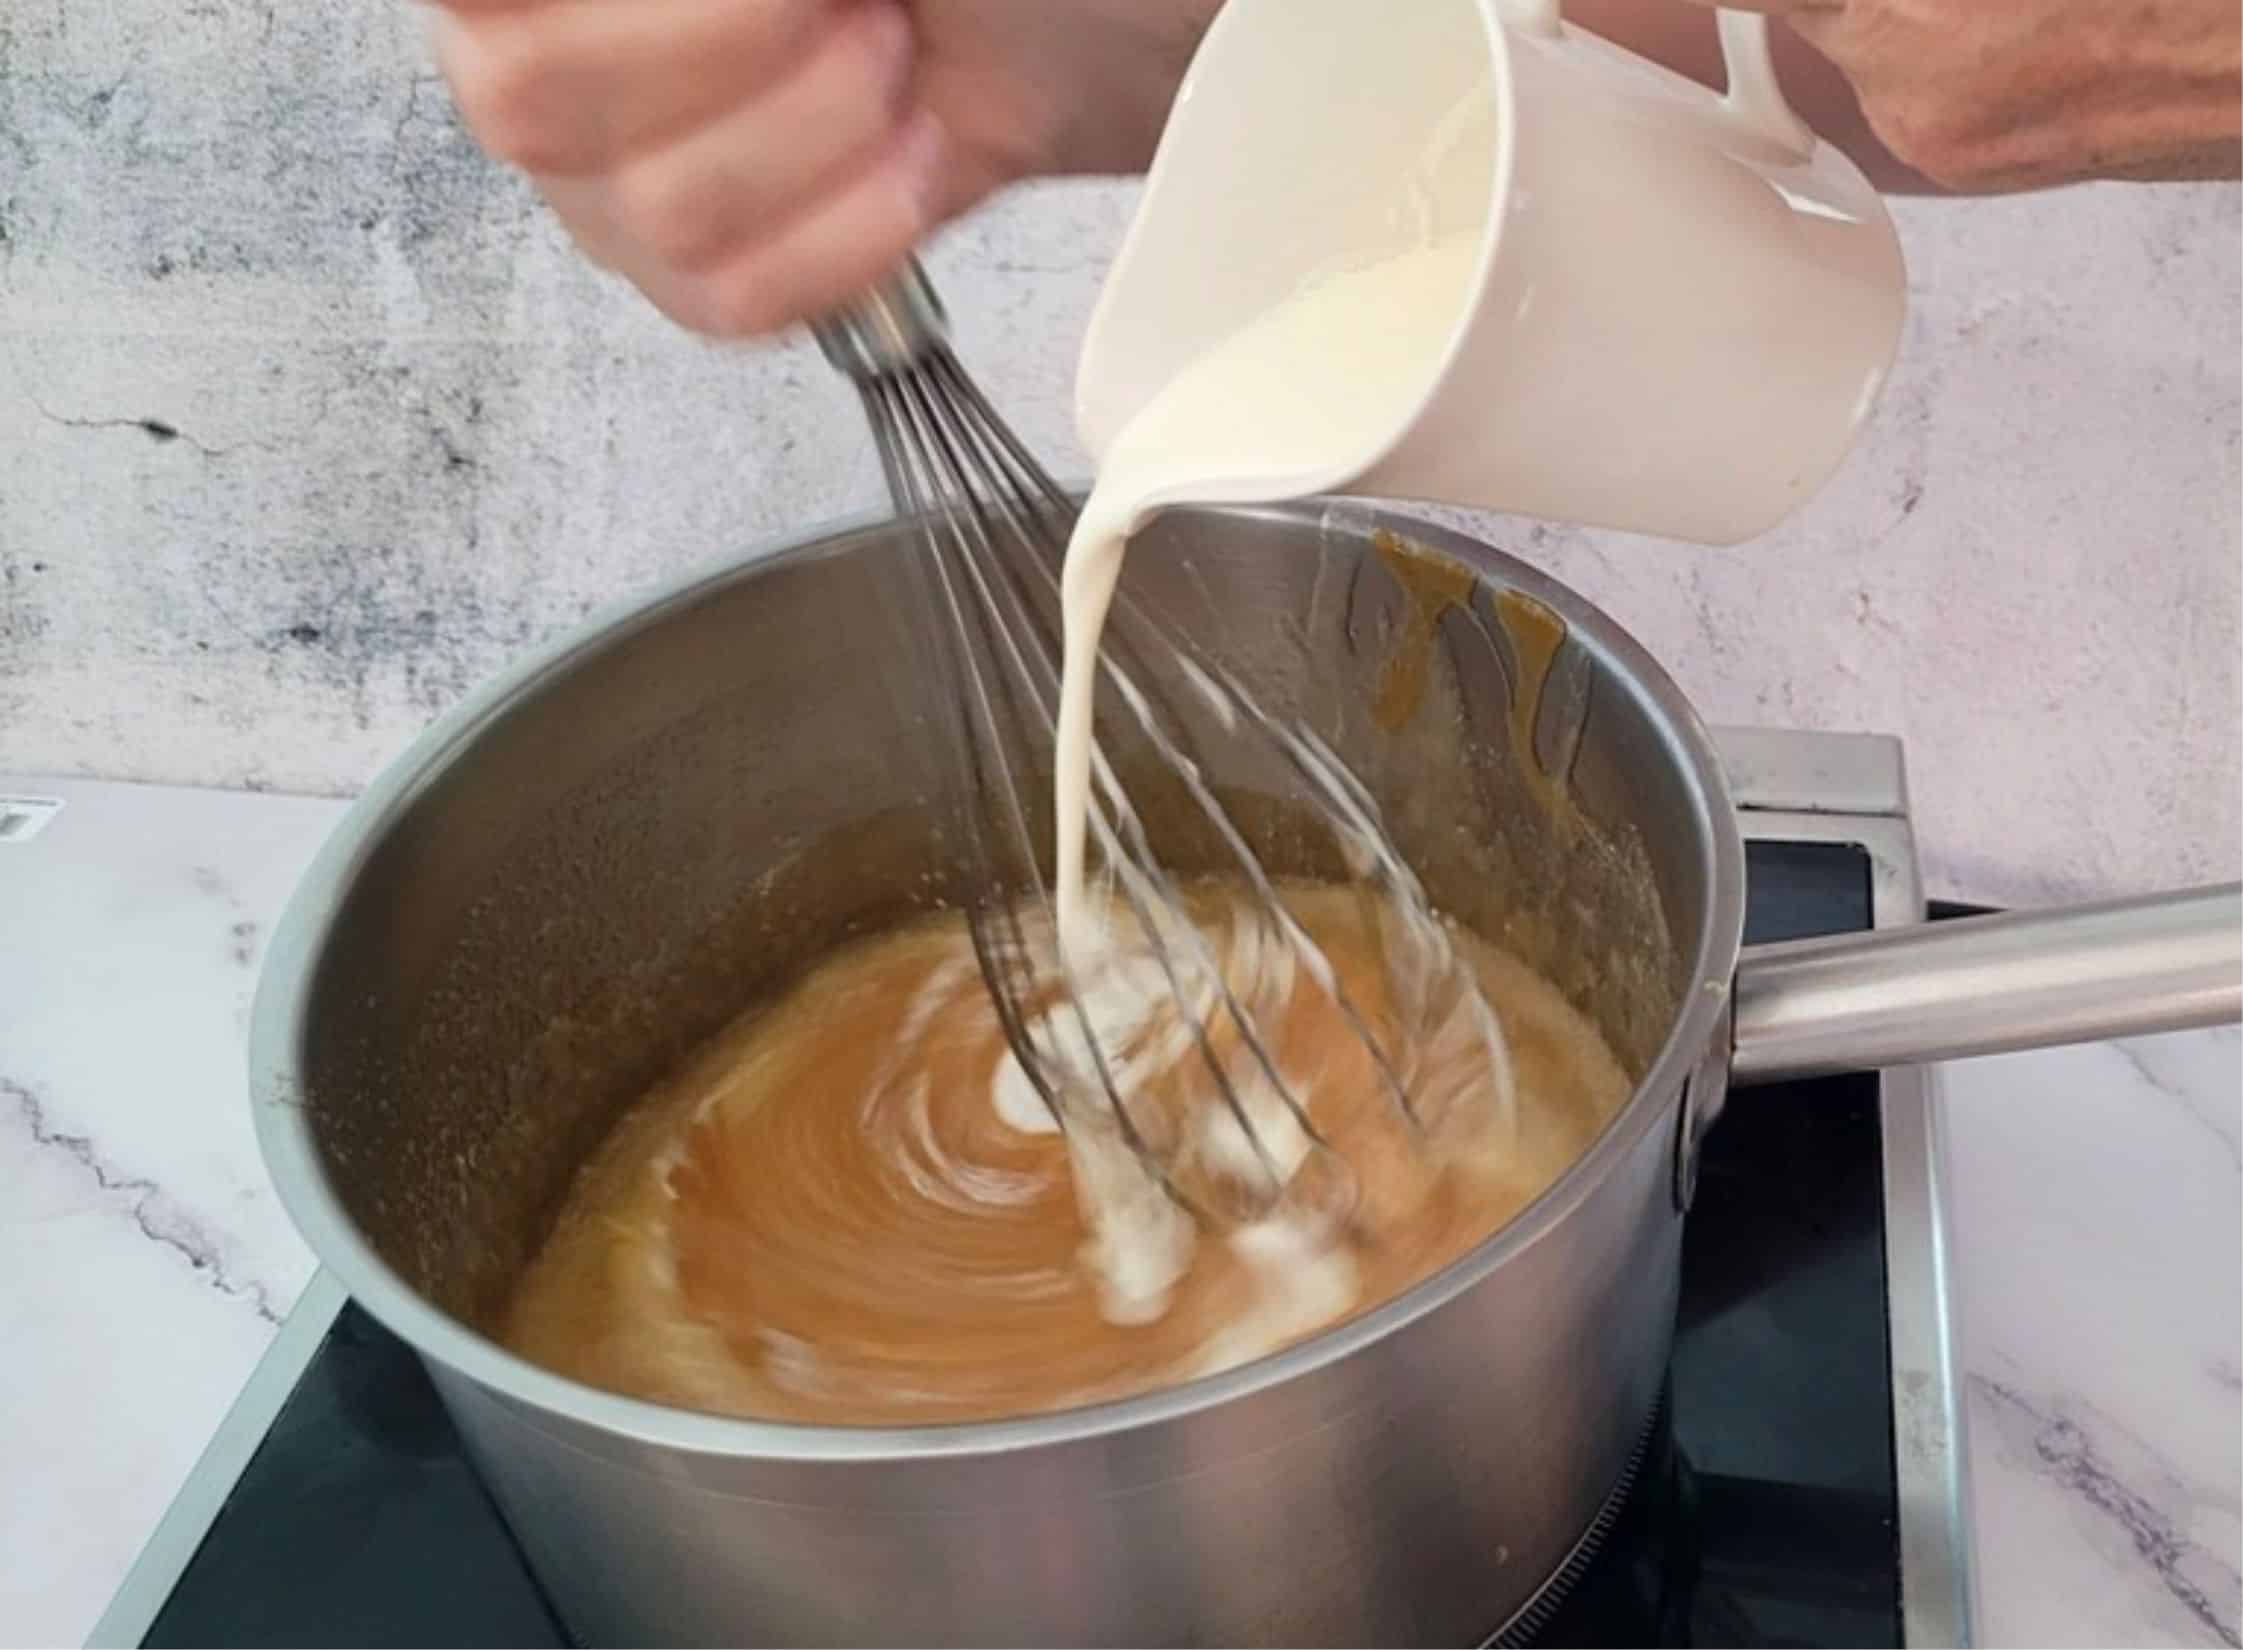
pixel 609 856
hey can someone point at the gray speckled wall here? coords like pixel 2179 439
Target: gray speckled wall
pixel 309 419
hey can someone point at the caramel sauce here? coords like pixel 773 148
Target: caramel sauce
pixel 827 1217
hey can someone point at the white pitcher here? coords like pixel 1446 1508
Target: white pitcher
pixel 1684 304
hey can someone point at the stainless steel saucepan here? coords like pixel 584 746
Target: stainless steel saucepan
pixel 600 858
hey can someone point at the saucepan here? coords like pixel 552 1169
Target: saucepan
pixel 600 858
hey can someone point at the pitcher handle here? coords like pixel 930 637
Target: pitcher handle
pixel 1755 96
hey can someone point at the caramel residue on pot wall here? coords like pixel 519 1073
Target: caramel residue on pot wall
pixel 1433 586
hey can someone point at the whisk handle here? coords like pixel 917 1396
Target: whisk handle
pixel 888 329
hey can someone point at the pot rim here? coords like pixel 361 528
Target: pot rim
pixel 291 1155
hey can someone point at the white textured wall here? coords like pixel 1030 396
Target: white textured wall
pixel 414 434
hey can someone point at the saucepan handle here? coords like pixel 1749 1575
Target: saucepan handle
pixel 1988 985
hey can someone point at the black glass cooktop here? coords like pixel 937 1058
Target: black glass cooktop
pixel 1763 1511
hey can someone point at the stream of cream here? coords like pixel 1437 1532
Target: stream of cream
pixel 1297 392
pixel 1271 412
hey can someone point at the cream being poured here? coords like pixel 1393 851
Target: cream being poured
pixel 1302 391
pixel 1298 391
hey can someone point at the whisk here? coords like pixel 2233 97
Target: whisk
pixel 995 524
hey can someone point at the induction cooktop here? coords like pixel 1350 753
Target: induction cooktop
pixel 1798 1485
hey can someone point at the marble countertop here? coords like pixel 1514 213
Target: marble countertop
pixel 145 1263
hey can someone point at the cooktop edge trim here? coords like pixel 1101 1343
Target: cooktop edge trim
pixel 172 1545
pixel 1930 1461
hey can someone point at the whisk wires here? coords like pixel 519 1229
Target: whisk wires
pixel 994 524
